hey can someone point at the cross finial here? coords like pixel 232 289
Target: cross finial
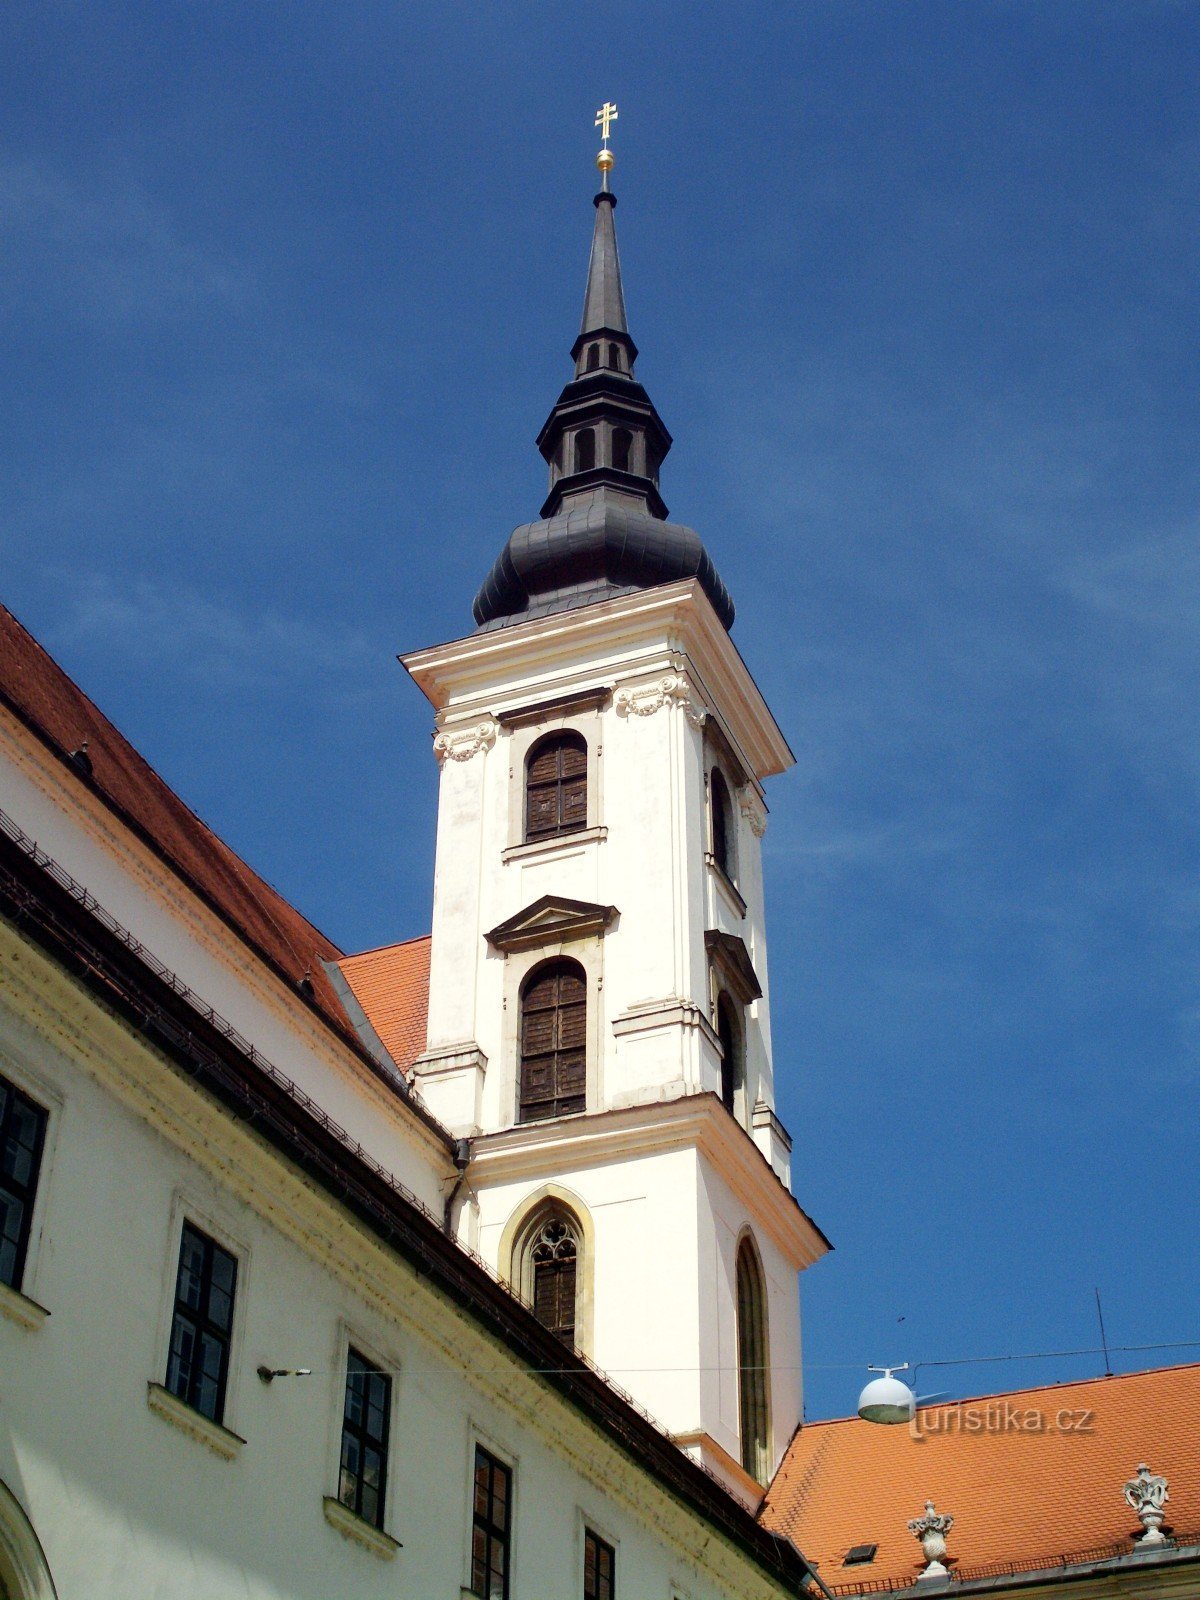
pixel 607 114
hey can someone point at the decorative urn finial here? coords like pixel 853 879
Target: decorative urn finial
pixel 931 1530
pixel 1147 1494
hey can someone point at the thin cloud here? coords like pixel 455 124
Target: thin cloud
pixel 108 249
pixel 167 630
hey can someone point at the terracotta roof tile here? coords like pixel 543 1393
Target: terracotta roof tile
pixel 1030 1494
pixel 41 694
pixel 391 984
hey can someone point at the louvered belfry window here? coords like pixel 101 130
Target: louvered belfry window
pixel 556 787
pixel 555 1256
pixel 553 1078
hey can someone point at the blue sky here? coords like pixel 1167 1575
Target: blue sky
pixel 287 292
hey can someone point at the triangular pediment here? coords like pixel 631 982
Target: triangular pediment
pixel 552 919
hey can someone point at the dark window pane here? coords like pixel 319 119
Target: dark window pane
pixel 489 1532
pixel 198 1357
pixel 599 1560
pixel 364 1438
pixel 22 1134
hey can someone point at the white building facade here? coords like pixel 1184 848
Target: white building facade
pixel 286 1313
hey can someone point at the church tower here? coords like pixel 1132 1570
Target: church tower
pixel 599 1024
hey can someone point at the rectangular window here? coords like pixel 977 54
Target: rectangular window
pixel 363 1476
pixel 198 1360
pixel 599 1568
pixel 490 1527
pixel 22 1136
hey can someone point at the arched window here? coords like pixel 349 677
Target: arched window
pixel 24 1574
pixel 554 1271
pixel 722 825
pixel 614 357
pixel 730 1034
pixel 585 449
pixel 553 1069
pixel 622 440
pixel 556 786
pixel 593 357
pixel 753 1407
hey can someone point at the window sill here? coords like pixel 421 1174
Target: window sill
pixel 552 847
pixel 18 1307
pixel 221 1440
pixel 351 1526
pixel 725 885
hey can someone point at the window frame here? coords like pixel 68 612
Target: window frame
pixel 754 1451
pixel 480 1446
pixel 590 1537
pixel 373 1369
pixel 733 1065
pixel 562 739
pixel 224 1338
pixel 536 974
pixel 722 826
pixel 31 1192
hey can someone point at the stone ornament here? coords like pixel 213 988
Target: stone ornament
pixel 1147 1494
pixel 931 1530
pixel 753 810
pixel 669 691
pixel 463 743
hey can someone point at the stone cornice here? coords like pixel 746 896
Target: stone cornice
pixel 698 1121
pixel 672 628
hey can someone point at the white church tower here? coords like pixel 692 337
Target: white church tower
pixel 599 1024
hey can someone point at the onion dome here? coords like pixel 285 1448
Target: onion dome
pixel 603 529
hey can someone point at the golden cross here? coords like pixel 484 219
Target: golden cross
pixel 606 114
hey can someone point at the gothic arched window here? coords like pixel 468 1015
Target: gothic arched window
pixel 753 1405
pixel 614 357
pixel 722 824
pixel 730 1034
pixel 622 441
pixel 593 357
pixel 585 450
pixel 556 786
pixel 554 1270
pixel 553 1065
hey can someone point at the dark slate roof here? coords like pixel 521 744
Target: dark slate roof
pixel 604 302
pixel 603 529
pixel 592 552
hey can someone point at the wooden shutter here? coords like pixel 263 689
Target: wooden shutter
pixel 556 787
pixel 553 1068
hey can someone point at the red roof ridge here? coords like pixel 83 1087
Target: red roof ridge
pixel 46 699
pixel 380 949
pixel 1033 1388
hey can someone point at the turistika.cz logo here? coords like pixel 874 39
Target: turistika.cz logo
pixel 1001 1416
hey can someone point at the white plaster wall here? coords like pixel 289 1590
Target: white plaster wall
pixel 723 1221
pixel 136 889
pixel 646 1287
pixel 644 854
pixel 127 1506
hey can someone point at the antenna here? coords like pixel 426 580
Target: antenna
pixel 1103 1340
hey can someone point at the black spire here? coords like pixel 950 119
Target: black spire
pixel 604 302
pixel 603 530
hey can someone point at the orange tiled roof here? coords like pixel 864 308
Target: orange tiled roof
pixel 36 688
pixel 1016 1495
pixel 391 984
